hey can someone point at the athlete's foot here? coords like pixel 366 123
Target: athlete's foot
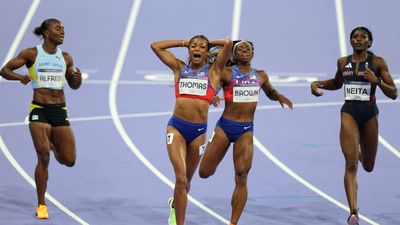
pixel 172 218
pixel 41 212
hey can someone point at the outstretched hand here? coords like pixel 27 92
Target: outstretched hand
pixel 314 88
pixel 285 101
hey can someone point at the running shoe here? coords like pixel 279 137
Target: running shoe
pixel 41 212
pixel 353 218
pixel 172 218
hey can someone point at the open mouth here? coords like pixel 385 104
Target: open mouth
pixel 196 56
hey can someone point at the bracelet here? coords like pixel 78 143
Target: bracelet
pixel 183 43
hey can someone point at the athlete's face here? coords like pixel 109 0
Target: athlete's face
pixel 243 52
pixel 55 33
pixel 360 41
pixel 198 50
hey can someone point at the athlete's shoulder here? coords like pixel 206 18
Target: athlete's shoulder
pixel 28 54
pixel 341 61
pixel 67 57
pixel 261 72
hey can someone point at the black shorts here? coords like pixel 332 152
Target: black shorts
pixel 53 114
pixel 361 111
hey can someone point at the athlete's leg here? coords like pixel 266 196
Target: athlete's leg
pixel 350 143
pixel 64 145
pixel 40 133
pixel 215 152
pixel 176 146
pixel 242 158
pixel 369 143
pixel 193 157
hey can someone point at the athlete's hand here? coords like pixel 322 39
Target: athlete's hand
pixel 314 88
pixel 25 79
pixel 285 101
pixel 76 79
pixel 370 76
pixel 216 100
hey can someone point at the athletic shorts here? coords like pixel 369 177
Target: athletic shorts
pixel 234 129
pixel 53 114
pixel 188 130
pixel 361 111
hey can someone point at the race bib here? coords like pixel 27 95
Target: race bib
pixel 50 78
pixel 245 94
pixel 193 86
pixel 360 91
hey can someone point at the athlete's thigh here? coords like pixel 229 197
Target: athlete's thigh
pixel 40 133
pixel 176 147
pixel 349 136
pixel 63 140
pixel 216 149
pixel 243 152
pixel 369 139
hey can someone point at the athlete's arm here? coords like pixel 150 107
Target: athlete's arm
pixel 331 84
pixel 271 92
pixel 387 84
pixel 223 54
pixel 25 57
pixel 169 59
pixel 74 77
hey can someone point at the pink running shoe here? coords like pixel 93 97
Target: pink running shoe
pixel 353 219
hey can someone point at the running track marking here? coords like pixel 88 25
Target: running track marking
pixel 3 147
pixel 146 160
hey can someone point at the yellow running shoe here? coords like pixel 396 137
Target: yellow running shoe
pixel 172 218
pixel 41 212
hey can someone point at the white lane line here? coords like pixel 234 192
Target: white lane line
pixel 343 52
pixel 116 119
pixel 21 32
pixel 291 173
pixel 25 175
pixel 168 113
pixel 340 26
pixel 388 146
pixel 237 8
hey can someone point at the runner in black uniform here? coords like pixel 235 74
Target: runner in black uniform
pixel 360 73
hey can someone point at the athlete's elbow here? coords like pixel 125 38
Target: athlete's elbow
pixel 2 73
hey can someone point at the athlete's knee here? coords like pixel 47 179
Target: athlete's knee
pixel 43 158
pixel 368 167
pixel 67 159
pixel 351 164
pixel 241 177
pixel 181 182
pixel 205 173
pixel 69 162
